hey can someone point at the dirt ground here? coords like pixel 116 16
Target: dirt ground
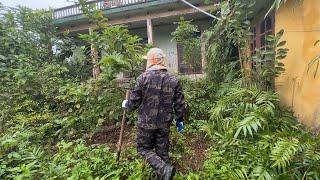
pixel 110 136
pixel 193 160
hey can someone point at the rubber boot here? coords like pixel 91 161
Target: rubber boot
pixel 168 172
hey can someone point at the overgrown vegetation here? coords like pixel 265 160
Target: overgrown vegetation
pixel 52 105
pixel 45 105
pixel 272 144
pixel 254 136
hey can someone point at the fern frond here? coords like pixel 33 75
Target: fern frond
pixel 260 173
pixel 217 111
pixel 249 124
pixel 283 152
pixel 312 156
pixel 239 174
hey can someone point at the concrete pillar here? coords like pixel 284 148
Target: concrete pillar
pixel 149 31
pixel 203 53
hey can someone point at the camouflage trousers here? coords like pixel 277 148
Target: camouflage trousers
pixel 153 145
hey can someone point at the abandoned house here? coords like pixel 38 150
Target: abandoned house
pixel 153 20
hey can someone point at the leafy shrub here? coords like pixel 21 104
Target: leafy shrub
pixel 43 102
pixel 200 97
pixel 78 161
pixel 87 106
pixel 256 138
pixel 68 160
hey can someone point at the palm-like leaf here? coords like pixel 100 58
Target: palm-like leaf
pixel 283 152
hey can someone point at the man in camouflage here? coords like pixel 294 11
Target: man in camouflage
pixel 159 97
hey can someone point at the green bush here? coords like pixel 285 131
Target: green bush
pixel 68 160
pixel 257 138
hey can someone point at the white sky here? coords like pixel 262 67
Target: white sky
pixel 37 4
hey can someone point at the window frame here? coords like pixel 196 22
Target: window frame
pixel 258 35
pixel 182 69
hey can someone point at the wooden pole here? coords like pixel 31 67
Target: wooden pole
pixel 119 146
pixel 149 31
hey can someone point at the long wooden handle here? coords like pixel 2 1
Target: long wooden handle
pixel 122 129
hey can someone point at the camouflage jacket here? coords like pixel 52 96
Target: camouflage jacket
pixel 159 97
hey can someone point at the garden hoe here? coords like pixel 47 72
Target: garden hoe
pixel 122 129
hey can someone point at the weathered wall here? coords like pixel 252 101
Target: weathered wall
pixel 163 40
pixel 297 87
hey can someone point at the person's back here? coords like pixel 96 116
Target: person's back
pixel 161 97
pixel 158 97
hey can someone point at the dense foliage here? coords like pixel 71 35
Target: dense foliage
pixel 254 137
pixel 51 107
pixel 45 104
pixel 272 144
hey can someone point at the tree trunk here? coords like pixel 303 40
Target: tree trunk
pixel 95 59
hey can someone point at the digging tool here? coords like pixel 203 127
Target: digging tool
pixel 122 129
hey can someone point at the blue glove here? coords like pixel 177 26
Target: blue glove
pixel 179 125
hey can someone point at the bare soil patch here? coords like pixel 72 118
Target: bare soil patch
pixel 191 161
pixel 110 136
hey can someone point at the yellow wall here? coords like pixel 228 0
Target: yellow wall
pixel 298 88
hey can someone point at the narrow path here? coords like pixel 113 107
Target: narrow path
pixel 189 152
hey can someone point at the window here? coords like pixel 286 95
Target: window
pixel 261 29
pixel 190 63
